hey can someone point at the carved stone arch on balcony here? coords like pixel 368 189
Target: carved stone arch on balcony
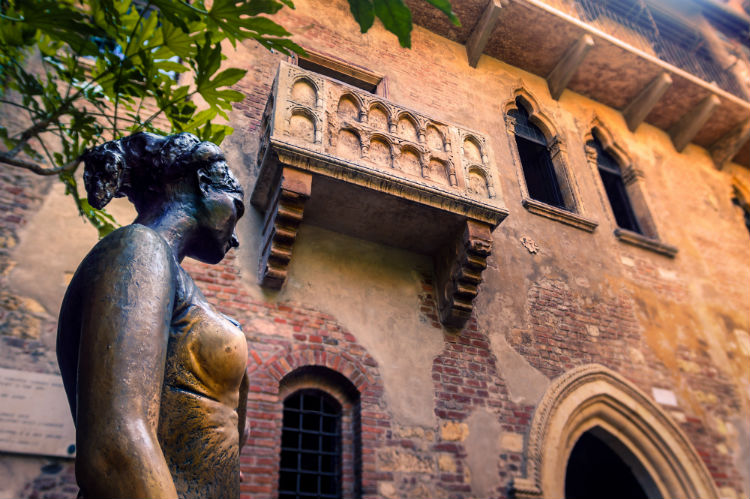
pixel 593 397
pixel 473 149
pixel 410 160
pixel 381 150
pixel 350 106
pixel 306 91
pixel 303 123
pixel 407 126
pixel 439 170
pixel 349 143
pixel 479 182
pixel 379 116
pixel 436 139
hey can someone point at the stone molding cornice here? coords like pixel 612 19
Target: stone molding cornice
pixel 558 214
pixel 376 179
pixel 645 242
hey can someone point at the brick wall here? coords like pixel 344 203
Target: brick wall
pixel 23 322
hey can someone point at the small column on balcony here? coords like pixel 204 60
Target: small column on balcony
pixel 480 35
pixel 283 217
pixel 644 102
pixel 566 67
pixel 458 272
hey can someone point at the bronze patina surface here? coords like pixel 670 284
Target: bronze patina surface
pixel 155 377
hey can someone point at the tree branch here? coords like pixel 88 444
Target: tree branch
pixel 35 168
pixel 41 126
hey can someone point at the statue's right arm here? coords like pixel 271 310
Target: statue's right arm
pixel 126 312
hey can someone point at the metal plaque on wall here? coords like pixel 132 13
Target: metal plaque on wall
pixel 34 414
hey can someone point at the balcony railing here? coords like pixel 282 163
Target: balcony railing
pixel 639 25
pixel 363 138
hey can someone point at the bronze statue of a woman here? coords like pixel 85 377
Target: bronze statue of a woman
pixel 155 377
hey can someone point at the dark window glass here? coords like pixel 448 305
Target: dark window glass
pixel 310 446
pixel 337 75
pixel 538 170
pixel 615 188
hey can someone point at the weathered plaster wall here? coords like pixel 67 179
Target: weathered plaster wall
pixel 455 407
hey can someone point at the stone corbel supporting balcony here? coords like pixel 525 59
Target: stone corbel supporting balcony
pixel 283 217
pixel 350 161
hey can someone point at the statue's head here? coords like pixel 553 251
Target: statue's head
pixel 178 172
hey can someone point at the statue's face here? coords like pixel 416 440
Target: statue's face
pixel 217 215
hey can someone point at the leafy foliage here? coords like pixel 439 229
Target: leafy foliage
pixel 395 16
pixel 86 72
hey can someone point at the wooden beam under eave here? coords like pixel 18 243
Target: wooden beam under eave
pixel 644 102
pixel 727 147
pixel 480 35
pixel 691 122
pixel 567 66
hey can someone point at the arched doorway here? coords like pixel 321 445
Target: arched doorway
pixel 600 466
pixel 607 415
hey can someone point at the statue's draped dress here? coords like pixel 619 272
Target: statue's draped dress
pixel 205 364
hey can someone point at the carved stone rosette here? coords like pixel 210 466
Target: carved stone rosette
pixel 433 172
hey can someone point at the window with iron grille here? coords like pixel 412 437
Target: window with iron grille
pixel 611 175
pixel 310 446
pixel 538 169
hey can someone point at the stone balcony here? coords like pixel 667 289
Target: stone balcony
pixel 350 161
pixel 593 55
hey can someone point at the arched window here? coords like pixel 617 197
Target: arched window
pixel 611 175
pixel 538 170
pixel 321 440
pixel 598 469
pixel 310 446
pixel 593 401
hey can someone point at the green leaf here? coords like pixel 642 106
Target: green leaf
pixel 170 66
pixel 207 61
pixel 283 45
pixel 363 13
pixel 177 40
pixel 257 7
pixel 177 13
pixel 445 7
pixel 396 18
pixel 228 77
pixel 200 119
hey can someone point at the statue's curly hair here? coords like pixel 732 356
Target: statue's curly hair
pixel 144 165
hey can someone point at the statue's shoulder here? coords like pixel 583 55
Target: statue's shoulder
pixel 133 242
pixel 136 232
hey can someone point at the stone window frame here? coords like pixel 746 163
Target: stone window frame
pixel 340 388
pixel 634 180
pixel 741 198
pixel 593 397
pixel 379 81
pixel 572 215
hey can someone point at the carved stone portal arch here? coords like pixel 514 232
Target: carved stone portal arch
pixel 594 397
